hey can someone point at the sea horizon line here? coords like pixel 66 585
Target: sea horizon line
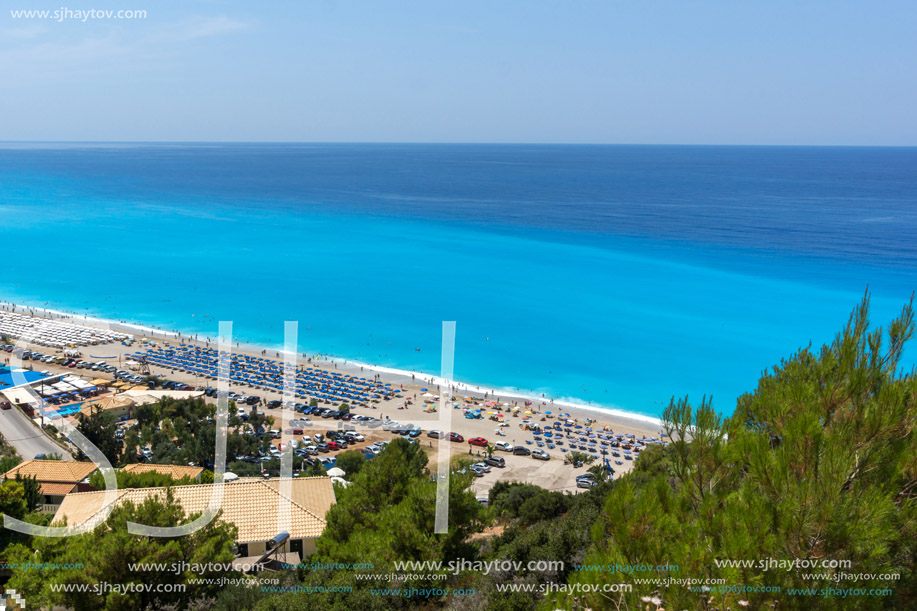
pixel 469 143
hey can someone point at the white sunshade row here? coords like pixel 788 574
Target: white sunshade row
pixel 54 333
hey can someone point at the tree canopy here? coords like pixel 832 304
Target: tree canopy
pixel 818 463
pixel 109 554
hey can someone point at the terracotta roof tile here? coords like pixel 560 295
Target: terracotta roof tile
pixel 175 471
pixel 251 504
pixel 56 488
pixel 53 470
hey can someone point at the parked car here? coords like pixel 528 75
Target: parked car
pixel 586 483
pixel 354 436
pixel 496 461
pixel 482 465
pixel 540 455
pixel 456 437
pixel 503 446
pixel 435 434
pixel 478 441
pixel 521 451
pixel 333 445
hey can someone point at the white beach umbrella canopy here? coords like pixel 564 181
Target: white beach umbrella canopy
pixel 336 472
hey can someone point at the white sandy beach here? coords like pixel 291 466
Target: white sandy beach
pixel 395 409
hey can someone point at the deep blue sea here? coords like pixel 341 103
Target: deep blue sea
pixel 617 275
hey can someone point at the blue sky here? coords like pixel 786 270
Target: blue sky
pixel 606 71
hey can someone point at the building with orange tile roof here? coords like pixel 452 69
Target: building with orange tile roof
pixel 57 478
pixel 173 471
pixel 251 504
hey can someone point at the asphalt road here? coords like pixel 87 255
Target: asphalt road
pixel 28 439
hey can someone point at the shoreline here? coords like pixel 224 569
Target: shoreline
pixel 619 416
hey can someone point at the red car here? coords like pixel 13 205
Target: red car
pixel 478 441
pixel 456 437
pixel 333 445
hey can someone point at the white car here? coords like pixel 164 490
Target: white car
pixel 482 466
pixel 354 436
pixel 540 455
pixel 374 449
pixel 503 446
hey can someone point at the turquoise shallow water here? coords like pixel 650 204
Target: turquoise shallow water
pixel 614 275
